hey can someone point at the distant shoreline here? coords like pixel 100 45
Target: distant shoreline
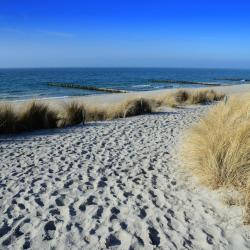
pixel 108 98
pixel 25 84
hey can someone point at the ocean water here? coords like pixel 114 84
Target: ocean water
pixel 21 84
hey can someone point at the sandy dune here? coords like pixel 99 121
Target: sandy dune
pixel 116 185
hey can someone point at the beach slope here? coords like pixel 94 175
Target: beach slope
pixel 113 184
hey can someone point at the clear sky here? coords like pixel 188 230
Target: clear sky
pixel 104 33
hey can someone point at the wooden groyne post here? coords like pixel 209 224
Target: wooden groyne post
pixel 93 88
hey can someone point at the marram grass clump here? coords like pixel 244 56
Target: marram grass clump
pixel 127 108
pixel 35 115
pixel 72 113
pixel 181 96
pixel 185 97
pixel 135 107
pixel 204 96
pixel 38 115
pixel 95 113
pixel 8 119
pixel 217 148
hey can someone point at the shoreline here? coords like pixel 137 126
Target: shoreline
pixel 102 99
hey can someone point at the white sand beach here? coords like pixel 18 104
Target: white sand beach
pixel 124 125
pixel 112 185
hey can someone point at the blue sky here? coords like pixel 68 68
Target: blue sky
pixel 170 33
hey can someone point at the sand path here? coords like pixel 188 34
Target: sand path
pixel 114 185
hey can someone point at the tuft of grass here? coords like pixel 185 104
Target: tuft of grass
pixel 127 108
pixel 94 113
pixel 181 96
pixel 134 107
pixel 166 100
pixel 217 148
pixel 189 97
pixel 8 119
pixel 72 113
pixel 35 115
pixel 204 97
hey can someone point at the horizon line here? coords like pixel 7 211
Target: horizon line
pixel 124 67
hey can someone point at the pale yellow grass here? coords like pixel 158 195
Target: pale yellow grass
pixel 217 149
pixel 8 119
pixel 71 113
pixel 95 113
pixel 38 115
pixel 184 97
pixel 127 108
pixel 35 115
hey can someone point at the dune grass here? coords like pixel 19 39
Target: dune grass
pixel 72 113
pixel 197 97
pixel 127 108
pixel 37 115
pixel 203 97
pixel 184 97
pixel 8 119
pixel 95 113
pixel 217 149
pixel 133 107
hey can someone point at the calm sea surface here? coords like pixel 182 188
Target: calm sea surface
pixel 20 84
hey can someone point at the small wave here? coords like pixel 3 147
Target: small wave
pixel 35 98
pixel 184 82
pixel 141 86
pixel 233 79
pixel 55 97
pixel 159 87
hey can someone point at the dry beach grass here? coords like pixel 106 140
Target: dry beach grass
pixel 38 115
pixel 217 149
pixel 35 115
pixel 7 119
pixel 71 113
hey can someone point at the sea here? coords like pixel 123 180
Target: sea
pixel 23 84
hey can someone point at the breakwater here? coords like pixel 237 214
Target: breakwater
pixel 86 87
